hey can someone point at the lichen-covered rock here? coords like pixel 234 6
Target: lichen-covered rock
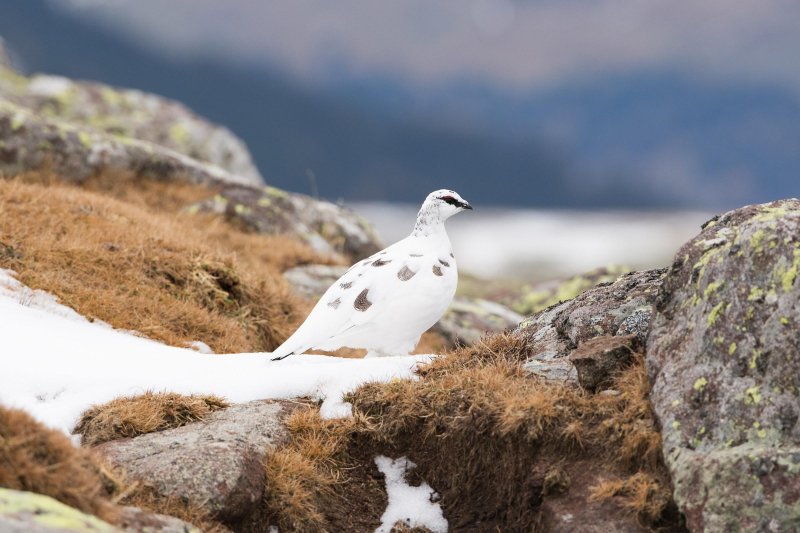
pixel 215 464
pixel 27 512
pixel 723 356
pixel 326 227
pixel 469 319
pixel 532 299
pixel 29 142
pixel 129 114
pixel 620 308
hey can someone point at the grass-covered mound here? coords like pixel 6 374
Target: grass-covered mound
pixel 128 417
pixel 174 278
pixel 496 443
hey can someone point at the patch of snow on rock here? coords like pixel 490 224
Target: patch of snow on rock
pixel 412 506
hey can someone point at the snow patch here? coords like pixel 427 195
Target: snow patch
pixel 412 506
pixel 12 289
pixel 56 364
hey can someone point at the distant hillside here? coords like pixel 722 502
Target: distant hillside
pixel 649 140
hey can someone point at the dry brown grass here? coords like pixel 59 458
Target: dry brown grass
pixel 485 435
pixel 145 271
pixel 37 459
pixel 127 417
pixel 145 497
pixel 479 405
pixel 314 485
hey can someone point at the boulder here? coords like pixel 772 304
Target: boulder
pixel 127 115
pixel 29 141
pixel 723 356
pixel 530 299
pixel 469 319
pixel 215 464
pixel 326 227
pixel 27 512
pixel 620 308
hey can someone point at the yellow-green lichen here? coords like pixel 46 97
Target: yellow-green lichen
pixel 179 133
pixel 732 348
pixel 47 513
pixel 712 288
pixel 85 139
pixel 752 396
pixel 715 312
pixel 676 424
pixel 754 359
pixel 755 294
pixel 241 209
pixel 700 384
pixel 784 320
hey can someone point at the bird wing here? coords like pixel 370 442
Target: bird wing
pixel 356 298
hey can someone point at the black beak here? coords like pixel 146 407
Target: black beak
pixel 466 205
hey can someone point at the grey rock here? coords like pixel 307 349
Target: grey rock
pixel 215 464
pixel 127 115
pixel 620 308
pixel 29 141
pixel 723 356
pixel 27 512
pixel 326 227
pixel 469 319
pixel 311 281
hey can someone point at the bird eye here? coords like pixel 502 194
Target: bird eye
pixel 450 200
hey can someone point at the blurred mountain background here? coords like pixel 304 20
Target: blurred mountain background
pixel 565 103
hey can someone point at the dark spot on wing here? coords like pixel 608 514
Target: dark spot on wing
pixel 346 285
pixel 361 303
pixel 444 263
pixel 415 255
pixel 335 303
pixel 437 270
pixel 381 262
pixel 451 255
pixel 406 274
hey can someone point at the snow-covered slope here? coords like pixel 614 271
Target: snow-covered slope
pixel 55 364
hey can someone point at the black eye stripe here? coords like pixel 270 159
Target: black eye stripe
pixel 450 200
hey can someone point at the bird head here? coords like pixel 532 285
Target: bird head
pixel 446 202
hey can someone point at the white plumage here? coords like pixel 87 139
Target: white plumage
pixel 386 302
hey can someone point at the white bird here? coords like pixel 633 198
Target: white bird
pixel 386 302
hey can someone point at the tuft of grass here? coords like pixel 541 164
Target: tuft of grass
pixel 478 404
pixel 37 459
pixel 150 272
pixel 500 430
pixel 127 417
pixel 642 494
pixel 315 485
